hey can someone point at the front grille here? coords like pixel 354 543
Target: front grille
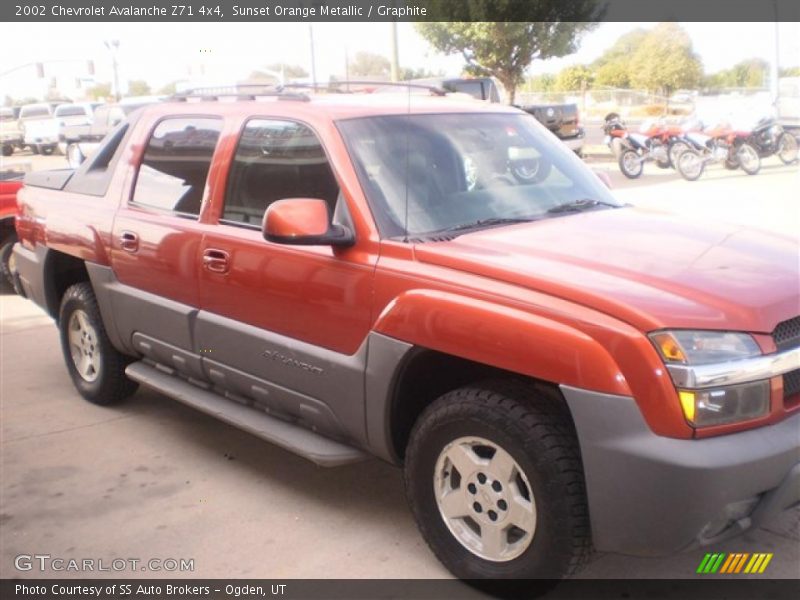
pixel 791 383
pixel 787 334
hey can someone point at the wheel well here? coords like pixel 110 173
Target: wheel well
pixel 6 229
pixel 425 375
pixel 60 272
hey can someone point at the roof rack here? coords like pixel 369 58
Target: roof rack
pixel 243 91
pixel 249 91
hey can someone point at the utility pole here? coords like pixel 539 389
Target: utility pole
pixel 776 69
pixel 113 47
pixel 395 54
pixel 313 58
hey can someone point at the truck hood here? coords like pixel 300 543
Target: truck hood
pixel 648 268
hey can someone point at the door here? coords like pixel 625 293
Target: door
pixel 284 326
pixel 155 242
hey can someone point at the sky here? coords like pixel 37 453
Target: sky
pixel 163 52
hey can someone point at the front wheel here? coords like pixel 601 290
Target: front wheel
pixel 675 151
pixel 748 159
pixel 691 165
pixel 46 150
pixel 787 148
pixel 8 149
pixel 630 164
pixel 495 481
pixel 96 367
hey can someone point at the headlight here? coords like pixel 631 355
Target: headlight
pixel 714 405
pixel 703 347
pixel 720 406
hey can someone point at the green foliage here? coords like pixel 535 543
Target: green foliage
pixel 289 71
pixel 613 74
pixel 790 72
pixel 573 78
pixel 541 83
pixel 138 87
pixel 168 89
pixel 367 64
pixel 505 49
pixel 750 73
pixel 421 73
pixel 665 61
pixel 100 91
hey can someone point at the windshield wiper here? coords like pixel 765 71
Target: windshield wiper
pixel 579 206
pixel 486 223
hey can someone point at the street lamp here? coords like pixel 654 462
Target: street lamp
pixel 113 47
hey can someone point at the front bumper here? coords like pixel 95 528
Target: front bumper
pixel 651 495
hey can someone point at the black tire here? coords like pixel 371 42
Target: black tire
pixel 630 165
pixel 676 148
pixel 688 169
pixel 5 258
pixel 8 149
pixel 46 150
pixel 787 148
pixel 751 166
pixel 111 385
pixel 535 428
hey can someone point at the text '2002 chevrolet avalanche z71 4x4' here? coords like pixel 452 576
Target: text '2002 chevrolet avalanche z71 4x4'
pixel 441 284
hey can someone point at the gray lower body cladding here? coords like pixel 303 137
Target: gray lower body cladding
pixel 653 495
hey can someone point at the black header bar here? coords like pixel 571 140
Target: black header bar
pixel 396 10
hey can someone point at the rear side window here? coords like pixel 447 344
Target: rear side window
pixel 276 160
pixel 175 166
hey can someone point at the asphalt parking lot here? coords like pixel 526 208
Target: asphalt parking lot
pixel 155 479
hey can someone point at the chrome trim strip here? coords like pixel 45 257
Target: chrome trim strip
pixel 735 371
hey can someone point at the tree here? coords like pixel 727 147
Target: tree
pixel 367 64
pixel 573 78
pixel 138 87
pixel 498 44
pixel 613 74
pixel 421 73
pixel 542 83
pixel 750 73
pixel 99 91
pixel 790 72
pixel 613 68
pixel 168 89
pixel 665 61
pixel 289 71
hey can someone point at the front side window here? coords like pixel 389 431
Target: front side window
pixel 436 175
pixel 276 160
pixel 175 165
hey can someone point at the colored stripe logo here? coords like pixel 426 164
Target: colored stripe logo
pixel 734 563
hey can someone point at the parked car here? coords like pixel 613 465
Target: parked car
pixel 10 134
pixel 561 119
pixel 74 121
pixel 39 129
pixel 82 140
pixel 441 284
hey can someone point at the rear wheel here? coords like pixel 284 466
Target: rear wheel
pixel 675 151
pixel 7 258
pixel 630 164
pixel 46 150
pixel 495 480
pixel 96 367
pixel 691 165
pixel 748 159
pixel 8 149
pixel 787 148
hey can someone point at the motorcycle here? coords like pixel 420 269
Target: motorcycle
pixel 768 137
pixel 656 141
pixel 718 144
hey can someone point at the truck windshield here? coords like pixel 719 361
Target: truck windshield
pixel 428 176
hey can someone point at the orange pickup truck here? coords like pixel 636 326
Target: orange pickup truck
pixel 441 284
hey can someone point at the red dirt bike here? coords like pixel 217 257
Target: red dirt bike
pixel 656 141
pixel 718 144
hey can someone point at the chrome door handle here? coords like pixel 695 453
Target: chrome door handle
pixel 215 260
pixel 129 241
